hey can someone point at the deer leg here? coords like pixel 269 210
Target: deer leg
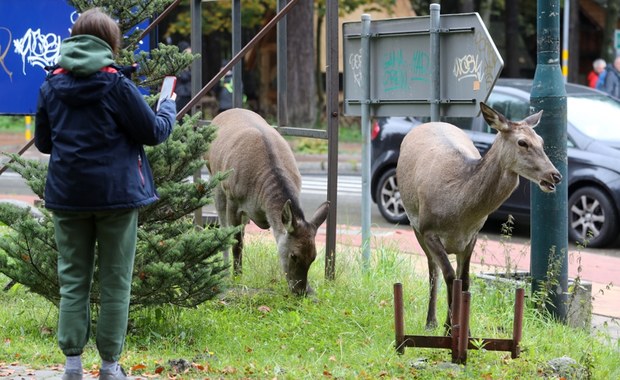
pixel 234 218
pixel 439 255
pixel 433 277
pixel 238 253
pixel 462 267
pixel 219 200
pixel 462 263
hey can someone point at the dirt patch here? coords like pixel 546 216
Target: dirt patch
pixel 13 142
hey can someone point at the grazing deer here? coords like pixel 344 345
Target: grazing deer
pixel 448 190
pixel 263 186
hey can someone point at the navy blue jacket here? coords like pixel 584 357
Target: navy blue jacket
pixel 94 128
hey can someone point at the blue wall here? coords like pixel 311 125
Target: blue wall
pixel 30 35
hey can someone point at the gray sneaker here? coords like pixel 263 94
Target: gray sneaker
pixel 72 376
pixel 118 375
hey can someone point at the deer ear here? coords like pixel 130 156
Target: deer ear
pixel 495 119
pixel 534 119
pixel 287 217
pixel 320 214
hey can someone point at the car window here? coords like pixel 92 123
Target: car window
pixel 461 122
pixel 595 116
pixel 510 106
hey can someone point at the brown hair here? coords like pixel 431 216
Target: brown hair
pixel 97 23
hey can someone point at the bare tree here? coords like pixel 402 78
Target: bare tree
pixel 302 91
pixel 611 18
pixel 573 43
pixel 512 29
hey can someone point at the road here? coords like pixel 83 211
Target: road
pixel 314 192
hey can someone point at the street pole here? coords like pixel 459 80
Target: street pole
pixel 332 111
pixel 196 81
pixel 435 60
pixel 549 227
pixel 365 108
pixel 236 48
pixel 565 39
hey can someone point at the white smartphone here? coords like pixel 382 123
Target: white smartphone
pixel 167 88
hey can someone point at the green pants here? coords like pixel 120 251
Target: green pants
pixel 115 233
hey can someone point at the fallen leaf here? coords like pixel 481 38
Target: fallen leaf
pixel 229 370
pixel 138 367
pixel 199 367
pixel 264 309
pixel 46 331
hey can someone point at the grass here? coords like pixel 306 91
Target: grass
pixel 258 330
pixel 12 123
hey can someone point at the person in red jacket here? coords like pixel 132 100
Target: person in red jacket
pixel 93 122
pixel 598 66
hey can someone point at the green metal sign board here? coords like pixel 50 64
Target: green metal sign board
pixel 400 79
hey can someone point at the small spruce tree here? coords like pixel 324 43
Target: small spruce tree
pixel 176 262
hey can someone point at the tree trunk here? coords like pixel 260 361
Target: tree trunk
pixel 301 62
pixel 485 12
pixel 512 31
pixel 320 83
pixel 607 48
pixel 466 6
pixel 573 43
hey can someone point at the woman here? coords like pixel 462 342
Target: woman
pixel 93 121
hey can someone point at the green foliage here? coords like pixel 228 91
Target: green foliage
pixel 12 123
pixel 258 330
pixel 25 251
pixel 159 62
pixel 216 15
pixel 177 263
pixel 128 13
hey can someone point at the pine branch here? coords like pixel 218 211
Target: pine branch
pixel 176 262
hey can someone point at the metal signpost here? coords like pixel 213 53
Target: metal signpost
pixel 392 74
pixel 400 66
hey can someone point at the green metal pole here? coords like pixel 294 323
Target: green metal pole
pixel 549 229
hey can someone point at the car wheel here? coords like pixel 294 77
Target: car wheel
pixel 592 218
pixel 388 198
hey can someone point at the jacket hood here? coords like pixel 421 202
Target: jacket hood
pixel 84 54
pixel 82 81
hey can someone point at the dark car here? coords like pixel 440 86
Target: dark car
pixel 593 176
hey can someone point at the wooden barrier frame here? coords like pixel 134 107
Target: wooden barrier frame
pixel 458 341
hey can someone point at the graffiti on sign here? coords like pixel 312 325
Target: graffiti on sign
pixel 355 62
pixel 468 66
pixel 401 72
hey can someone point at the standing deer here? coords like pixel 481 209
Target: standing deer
pixel 448 190
pixel 263 186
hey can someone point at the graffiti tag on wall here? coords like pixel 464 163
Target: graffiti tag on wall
pixel 4 50
pixel 38 49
